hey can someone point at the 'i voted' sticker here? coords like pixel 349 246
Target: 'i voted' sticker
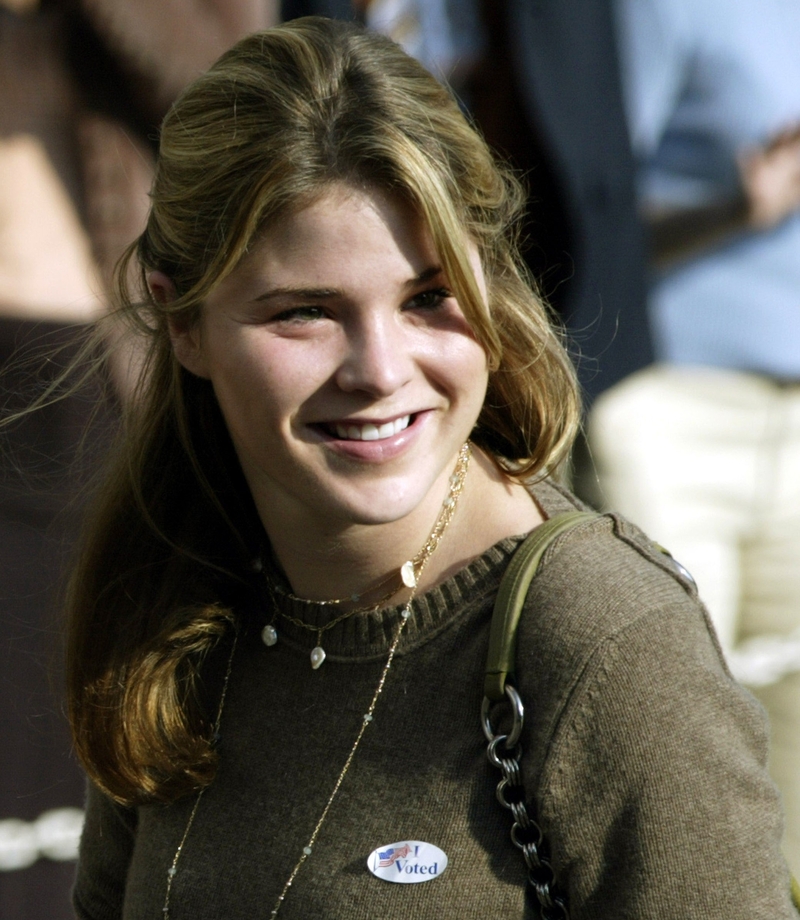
pixel 408 862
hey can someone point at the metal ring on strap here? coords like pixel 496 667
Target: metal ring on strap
pixel 518 712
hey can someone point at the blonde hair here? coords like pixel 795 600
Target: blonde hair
pixel 278 119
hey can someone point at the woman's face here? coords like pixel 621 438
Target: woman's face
pixel 345 370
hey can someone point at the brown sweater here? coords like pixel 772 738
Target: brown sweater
pixel 645 761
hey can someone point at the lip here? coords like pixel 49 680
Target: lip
pixel 372 451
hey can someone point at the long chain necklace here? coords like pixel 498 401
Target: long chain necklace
pixel 173 869
pixel 417 566
pixel 407 575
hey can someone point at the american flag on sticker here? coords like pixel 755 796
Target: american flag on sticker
pixel 387 857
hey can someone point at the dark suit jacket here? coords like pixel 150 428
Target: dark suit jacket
pixel 556 109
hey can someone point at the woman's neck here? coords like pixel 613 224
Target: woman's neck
pixel 362 559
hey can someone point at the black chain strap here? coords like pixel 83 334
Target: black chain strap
pixel 526 835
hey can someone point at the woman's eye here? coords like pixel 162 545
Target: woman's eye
pixel 428 300
pixel 304 314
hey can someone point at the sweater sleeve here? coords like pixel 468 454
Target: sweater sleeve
pixel 105 854
pixel 655 791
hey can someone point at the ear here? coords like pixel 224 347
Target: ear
pixel 185 336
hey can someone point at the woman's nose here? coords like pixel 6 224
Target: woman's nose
pixel 379 357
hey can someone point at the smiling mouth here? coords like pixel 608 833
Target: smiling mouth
pixel 369 431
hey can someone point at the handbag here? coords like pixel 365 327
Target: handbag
pixel 504 750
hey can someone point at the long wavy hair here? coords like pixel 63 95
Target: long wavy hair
pixel 281 116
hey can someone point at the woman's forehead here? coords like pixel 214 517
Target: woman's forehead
pixel 346 239
pixel 397 208
pixel 343 233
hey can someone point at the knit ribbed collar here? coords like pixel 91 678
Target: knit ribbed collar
pixel 370 634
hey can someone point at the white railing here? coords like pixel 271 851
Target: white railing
pixel 53 835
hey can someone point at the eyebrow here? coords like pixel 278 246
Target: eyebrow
pixel 324 293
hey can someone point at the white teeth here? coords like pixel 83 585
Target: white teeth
pixel 370 432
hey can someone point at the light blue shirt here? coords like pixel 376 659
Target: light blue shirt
pixel 704 79
pixel 444 35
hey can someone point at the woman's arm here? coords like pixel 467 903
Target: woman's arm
pixel 105 854
pixel 645 759
pixel 769 193
pixel 169 44
pixel 656 785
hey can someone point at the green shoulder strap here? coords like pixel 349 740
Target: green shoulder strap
pixel 511 598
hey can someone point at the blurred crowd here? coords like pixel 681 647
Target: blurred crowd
pixel 659 141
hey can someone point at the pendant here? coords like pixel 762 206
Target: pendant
pixel 317 656
pixel 408 575
pixel 269 635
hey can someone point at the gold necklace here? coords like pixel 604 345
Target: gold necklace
pixel 269 634
pixel 408 573
pixel 446 513
pixel 353 599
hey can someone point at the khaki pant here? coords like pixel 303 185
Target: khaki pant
pixel 707 462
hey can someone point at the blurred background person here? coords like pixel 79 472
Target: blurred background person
pixel 703 449
pixel 83 87
pixel 49 285
pixel 548 96
pixel 444 35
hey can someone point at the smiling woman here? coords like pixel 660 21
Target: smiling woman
pixel 352 413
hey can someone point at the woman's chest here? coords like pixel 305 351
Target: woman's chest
pixel 418 774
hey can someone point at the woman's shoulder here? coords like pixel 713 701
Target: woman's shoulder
pixel 612 622
pixel 605 573
pixel 604 591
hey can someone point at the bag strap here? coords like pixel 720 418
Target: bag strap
pixel 504 750
pixel 511 598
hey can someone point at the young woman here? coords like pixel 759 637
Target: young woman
pixel 350 415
